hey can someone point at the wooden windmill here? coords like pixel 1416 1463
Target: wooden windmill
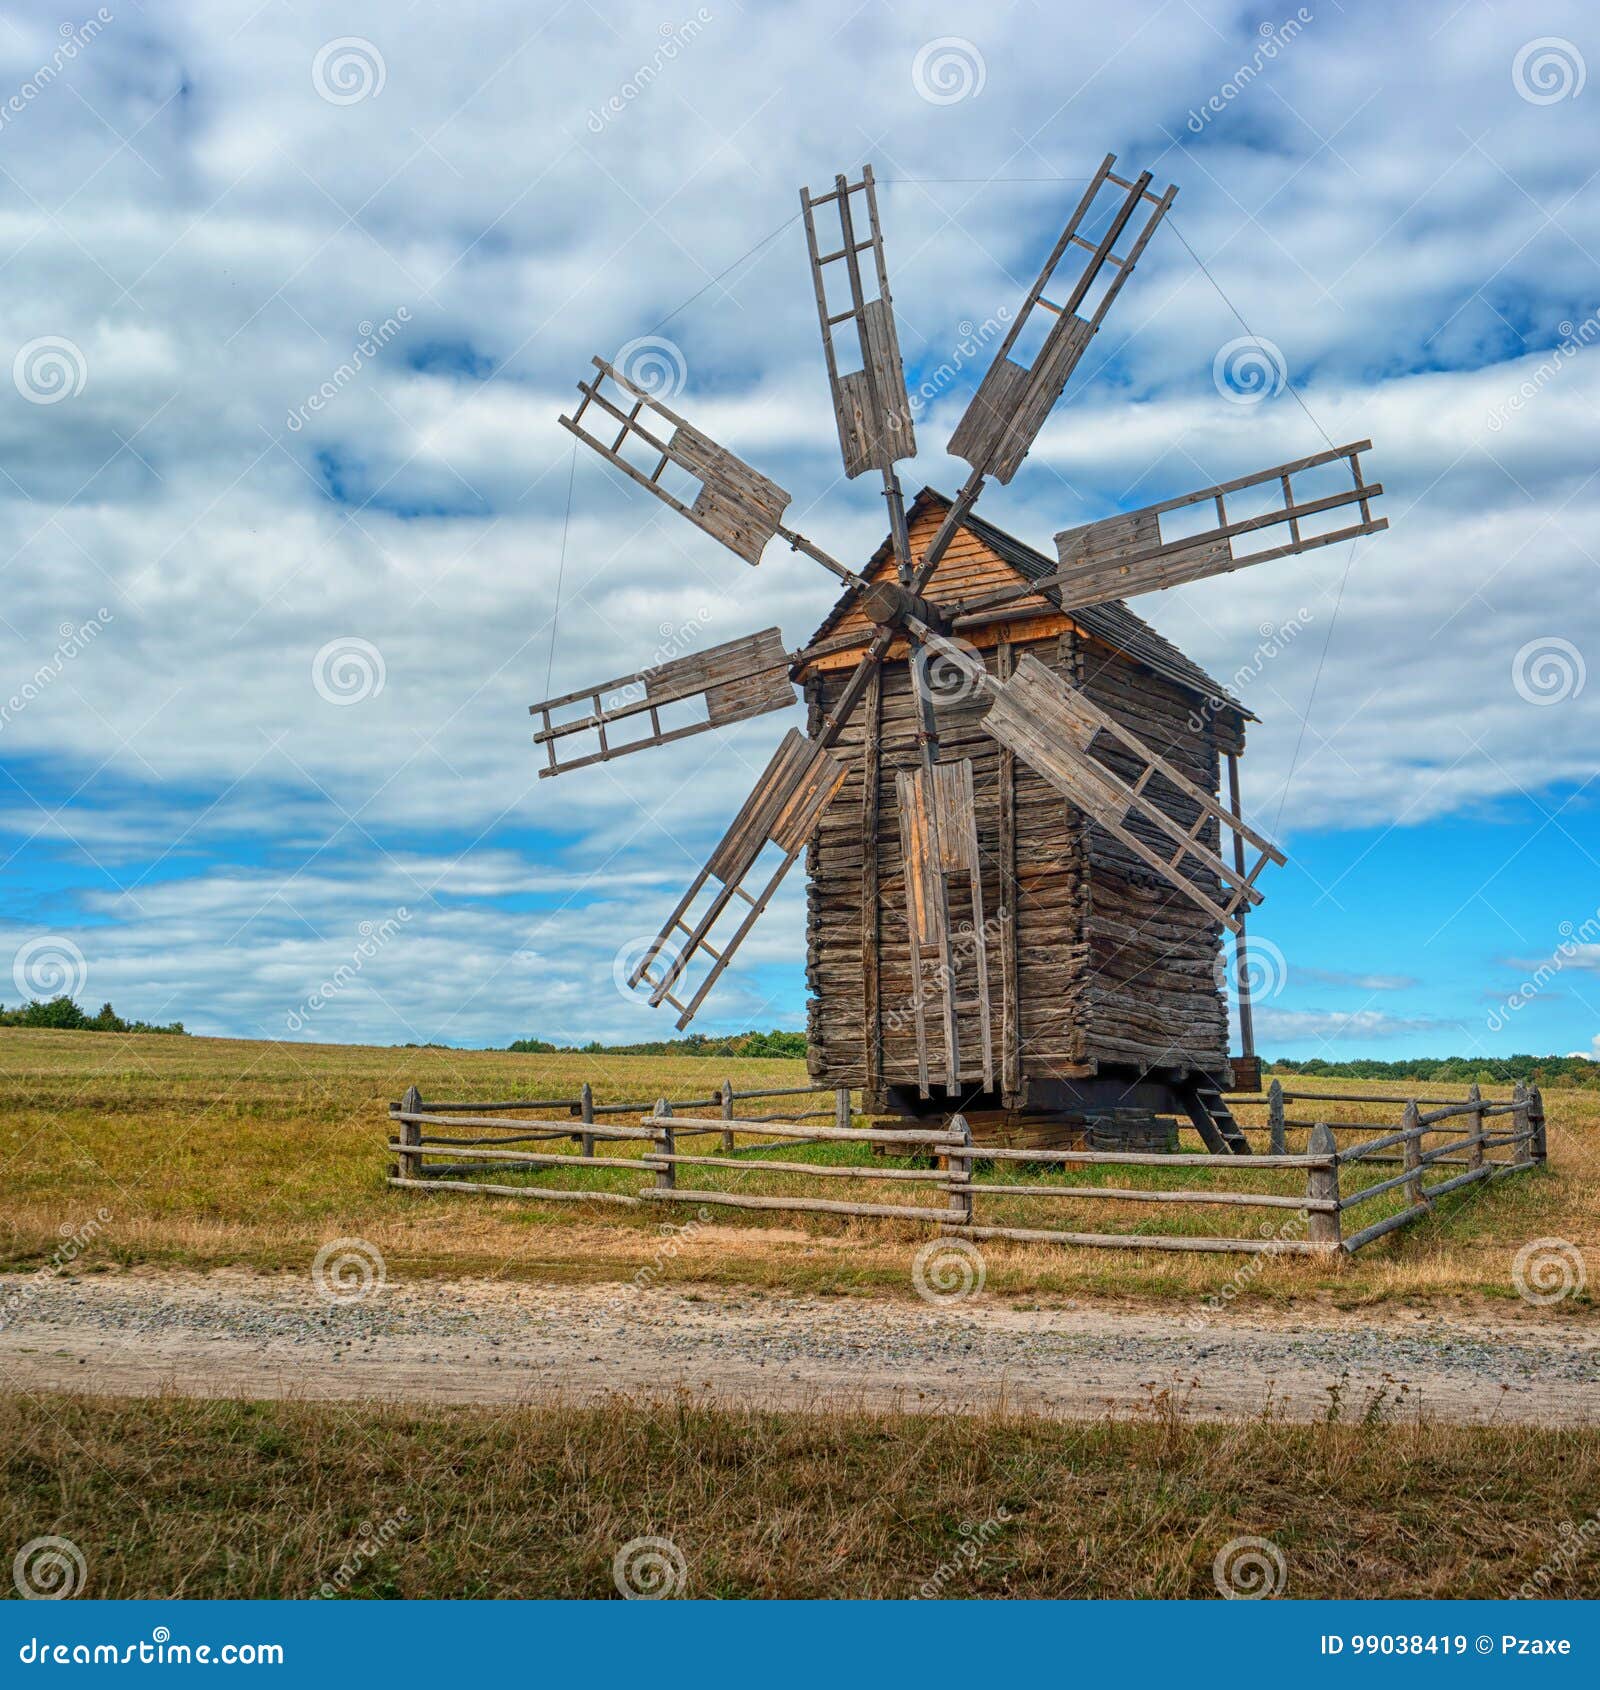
pixel 972 938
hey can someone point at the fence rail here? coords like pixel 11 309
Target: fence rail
pixel 1317 1185
pixel 584 1108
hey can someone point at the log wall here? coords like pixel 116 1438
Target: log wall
pixel 1111 965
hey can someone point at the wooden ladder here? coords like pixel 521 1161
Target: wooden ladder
pixel 1213 1119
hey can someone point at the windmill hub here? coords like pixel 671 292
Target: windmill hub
pixel 889 605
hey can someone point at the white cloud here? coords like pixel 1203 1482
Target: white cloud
pixel 1338 1025
pixel 211 234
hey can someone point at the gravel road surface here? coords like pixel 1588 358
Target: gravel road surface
pixel 236 1334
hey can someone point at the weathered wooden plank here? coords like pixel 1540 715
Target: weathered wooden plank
pixel 822 1170
pixel 804 1205
pixel 871 409
pixel 736 504
pixel 537 1193
pixel 781 808
pixel 939 1137
pixel 1052 725
pixel 1010 1004
pixel 739 679
pixel 1242 1199
pixel 533 1159
pixel 871 810
pixel 1012 401
pixel 1144 1241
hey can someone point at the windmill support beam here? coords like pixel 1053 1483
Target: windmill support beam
pixel 1241 953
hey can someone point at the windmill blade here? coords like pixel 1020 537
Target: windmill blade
pixel 869 396
pixel 1131 553
pixel 1011 404
pixel 1052 727
pixel 736 504
pixel 784 809
pixel 739 679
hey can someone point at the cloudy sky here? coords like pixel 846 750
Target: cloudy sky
pixel 293 295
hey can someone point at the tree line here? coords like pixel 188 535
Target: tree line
pixel 62 1012
pixel 1452 1070
pixel 770 1044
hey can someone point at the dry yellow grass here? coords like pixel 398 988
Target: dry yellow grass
pixel 224 1499
pixel 203 1152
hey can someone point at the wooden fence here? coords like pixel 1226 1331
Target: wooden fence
pixel 973 1191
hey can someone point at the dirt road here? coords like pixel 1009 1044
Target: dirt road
pixel 234 1334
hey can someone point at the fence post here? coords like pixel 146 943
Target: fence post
pixel 958 1170
pixel 1475 1151
pixel 410 1166
pixel 1322 1185
pixel 1536 1120
pixel 841 1106
pixel 1522 1154
pixel 667 1173
pixel 727 1114
pixel 586 1109
pixel 1411 1155
pixel 1279 1142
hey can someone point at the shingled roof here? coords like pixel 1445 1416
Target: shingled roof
pixel 1111 622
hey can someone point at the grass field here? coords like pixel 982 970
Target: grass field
pixel 173 1498
pixel 202 1152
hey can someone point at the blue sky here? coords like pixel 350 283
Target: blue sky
pixel 268 660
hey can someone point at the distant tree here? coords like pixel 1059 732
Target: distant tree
pixel 62 1013
pixel 59 1012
